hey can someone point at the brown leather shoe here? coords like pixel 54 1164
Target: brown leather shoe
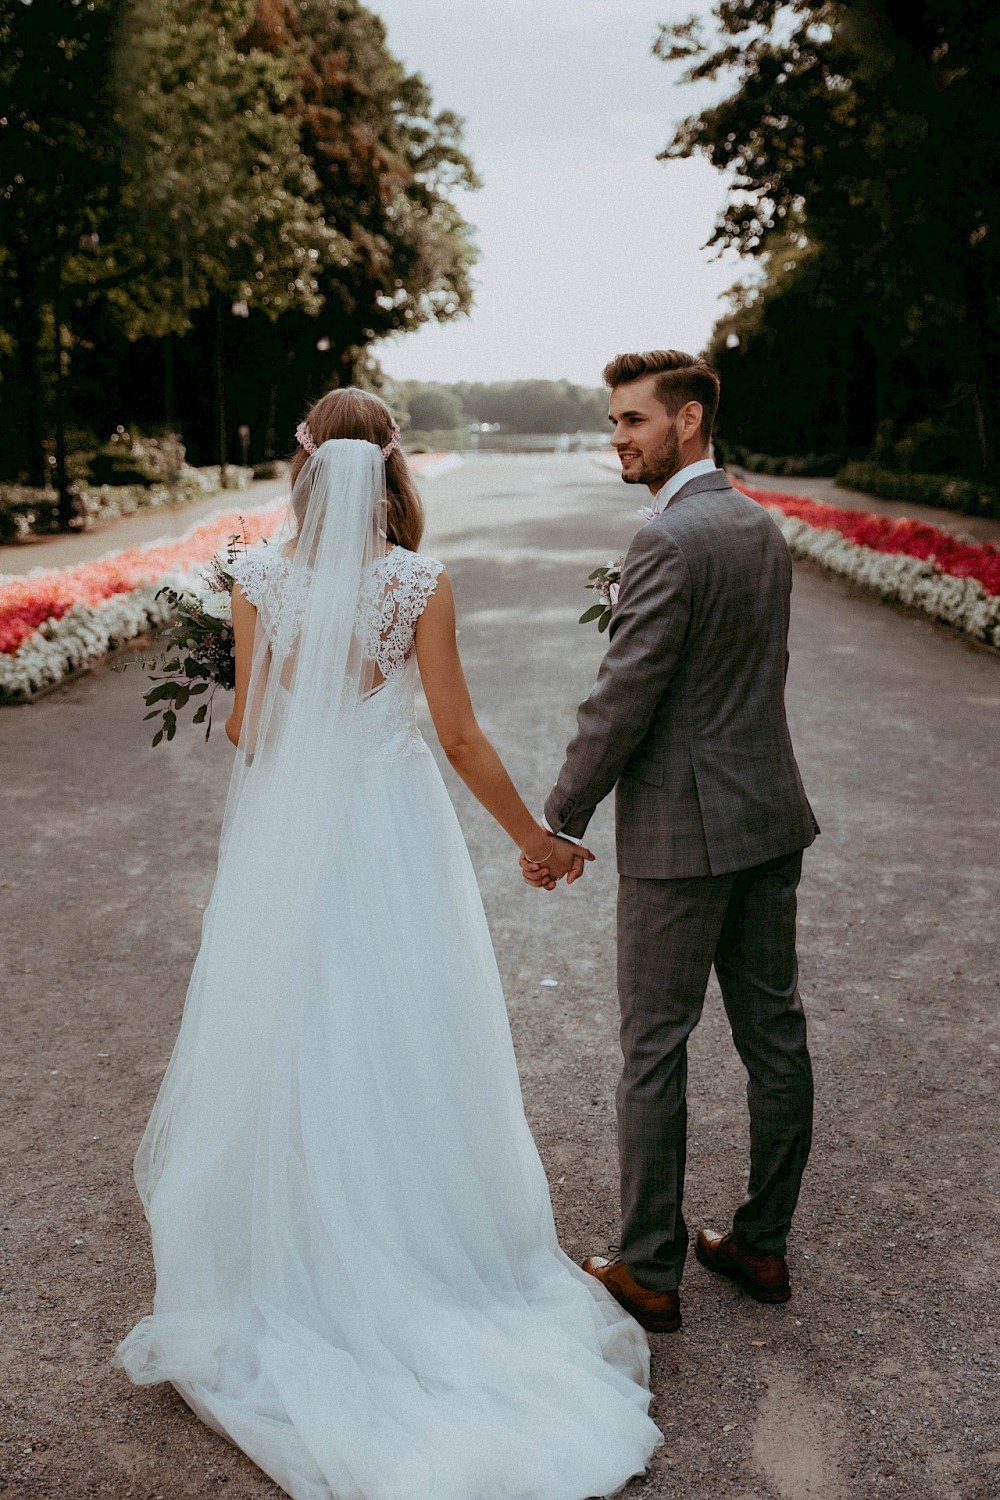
pixel 763 1277
pixel 657 1312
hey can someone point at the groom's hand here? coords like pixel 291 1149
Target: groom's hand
pixel 564 859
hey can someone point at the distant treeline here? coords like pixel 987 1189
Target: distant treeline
pixel 516 405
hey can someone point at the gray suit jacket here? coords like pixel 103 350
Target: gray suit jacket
pixel 687 716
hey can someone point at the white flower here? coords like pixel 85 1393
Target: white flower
pixel 217 606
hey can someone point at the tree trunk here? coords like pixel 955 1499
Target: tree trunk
pixel 220 390
pixel 66 509
pixel 272 414
pixel 27 432
pixel 168 381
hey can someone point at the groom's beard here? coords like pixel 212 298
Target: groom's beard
pixel 657 467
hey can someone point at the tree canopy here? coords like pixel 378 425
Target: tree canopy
pixel 861 142
pixel 254 188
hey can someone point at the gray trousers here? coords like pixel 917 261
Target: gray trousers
pixel 670 932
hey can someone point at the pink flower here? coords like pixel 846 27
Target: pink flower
pixel 613 591
pixel 27 602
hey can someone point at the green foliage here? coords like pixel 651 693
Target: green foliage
pixel 223 194
pixel 542 406
pixel 434 406
pixel 199 656
pixel 60 189
pixel 848 140
pixel 387 166
pixel 165 161
pixel 937 490
pixel 790 466
pixel 602 581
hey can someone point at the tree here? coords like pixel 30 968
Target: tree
pixel 60 180
pixel 166 164
pixel 848 134
pixel 224 196
pixel 387 166
pixel 516 405
pixel 434 407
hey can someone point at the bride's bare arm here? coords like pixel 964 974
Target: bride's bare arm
pixel 244 625
pixel 466 746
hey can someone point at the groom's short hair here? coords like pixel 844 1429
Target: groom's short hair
pixel 681 378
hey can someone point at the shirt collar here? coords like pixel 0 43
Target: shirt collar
pixel 679 480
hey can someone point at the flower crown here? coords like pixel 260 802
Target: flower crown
pixel 306 440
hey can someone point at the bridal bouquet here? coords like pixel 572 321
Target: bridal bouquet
pixel 603 581
pixel 200 655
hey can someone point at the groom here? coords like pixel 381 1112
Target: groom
pixel 687 723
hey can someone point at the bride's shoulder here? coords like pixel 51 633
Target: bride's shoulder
pixel 255 568
pixel 406 564
pixel 413 579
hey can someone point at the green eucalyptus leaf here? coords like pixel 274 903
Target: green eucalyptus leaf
pixel 592 613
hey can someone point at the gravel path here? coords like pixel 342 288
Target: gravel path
pixel 882 1376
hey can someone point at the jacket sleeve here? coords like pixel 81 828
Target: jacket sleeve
pixel 648 631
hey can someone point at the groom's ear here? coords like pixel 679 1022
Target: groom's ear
pixel 690 418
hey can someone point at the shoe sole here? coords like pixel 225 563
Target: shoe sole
pixel 753 1289
pixel 649 1322
pixel 656 1325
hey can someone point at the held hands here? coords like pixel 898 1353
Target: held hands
pixel 561 858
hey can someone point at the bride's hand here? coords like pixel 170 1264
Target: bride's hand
pixel 561 859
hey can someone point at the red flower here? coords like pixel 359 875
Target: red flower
pixel 979 560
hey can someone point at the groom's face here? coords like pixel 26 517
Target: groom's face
pixel 646 436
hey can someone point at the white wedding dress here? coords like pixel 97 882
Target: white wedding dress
pixel 358 1276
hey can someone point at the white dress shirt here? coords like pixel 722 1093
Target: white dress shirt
pixel 679 480
pixel 660 502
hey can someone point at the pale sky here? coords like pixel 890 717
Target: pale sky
pixel 589 245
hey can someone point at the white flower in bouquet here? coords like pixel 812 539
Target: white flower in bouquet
pixel 216 605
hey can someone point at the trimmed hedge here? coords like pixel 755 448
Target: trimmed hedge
pixel 966 496
pixel 24 511
pixel 790 466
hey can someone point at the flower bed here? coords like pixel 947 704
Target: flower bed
pixel 24 510
pixel 54 621
pixel 904 562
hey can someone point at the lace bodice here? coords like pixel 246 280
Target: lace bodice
pixel 394 595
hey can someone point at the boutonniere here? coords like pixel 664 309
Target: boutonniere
pixel 604 581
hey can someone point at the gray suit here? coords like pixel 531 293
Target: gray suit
pixel 687 721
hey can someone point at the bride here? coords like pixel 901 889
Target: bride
pixel 358 1277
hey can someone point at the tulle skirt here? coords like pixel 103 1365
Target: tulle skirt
pixel 357 1274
